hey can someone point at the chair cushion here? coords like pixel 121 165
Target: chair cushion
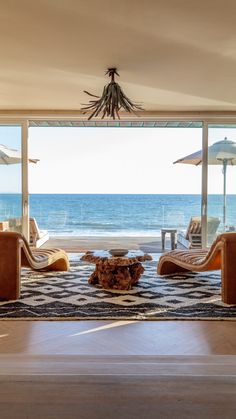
pixel 195 228
pixel 194 257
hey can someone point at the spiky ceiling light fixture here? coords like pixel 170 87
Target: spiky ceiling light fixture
pixel 111 101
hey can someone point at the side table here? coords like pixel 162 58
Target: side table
pixel 172 232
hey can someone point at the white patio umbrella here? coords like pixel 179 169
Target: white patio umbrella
pixel 220 153
pixel 11 156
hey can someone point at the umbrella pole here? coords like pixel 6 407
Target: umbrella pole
pixel 224 191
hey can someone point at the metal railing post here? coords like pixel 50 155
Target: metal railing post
pixel 204 183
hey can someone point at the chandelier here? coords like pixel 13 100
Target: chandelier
pixel 112 100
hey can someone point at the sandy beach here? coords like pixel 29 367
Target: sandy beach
pixel 84 243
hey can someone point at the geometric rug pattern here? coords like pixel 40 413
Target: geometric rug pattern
pixel 68 296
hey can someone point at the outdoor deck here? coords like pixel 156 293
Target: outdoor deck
pixel 84 243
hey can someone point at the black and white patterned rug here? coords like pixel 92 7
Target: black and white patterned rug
pixel 68 296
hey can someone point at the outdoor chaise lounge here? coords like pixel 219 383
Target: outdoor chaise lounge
pixel 192 238
pixel 16 253
pixel 37 237
pixel 222 255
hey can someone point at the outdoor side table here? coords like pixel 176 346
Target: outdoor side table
pixel 172 232
pixel 115 272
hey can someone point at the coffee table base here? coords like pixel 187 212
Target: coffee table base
pixel 119 277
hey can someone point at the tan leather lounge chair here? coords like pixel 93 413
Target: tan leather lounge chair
pixel 16 253
pixel 222 255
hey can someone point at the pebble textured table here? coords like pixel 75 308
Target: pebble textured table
pixel 116 272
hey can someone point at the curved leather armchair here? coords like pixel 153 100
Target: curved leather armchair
pixel 222 255
pixel 16 253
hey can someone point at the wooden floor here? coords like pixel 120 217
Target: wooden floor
pixel 117 369
pixel 118 397
pixel 118 337
pixel 73 387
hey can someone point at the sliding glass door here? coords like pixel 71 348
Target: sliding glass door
pixel 218 180
pixel 11 185
pixel 221 214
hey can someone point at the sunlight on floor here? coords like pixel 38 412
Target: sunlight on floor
pixel 105 326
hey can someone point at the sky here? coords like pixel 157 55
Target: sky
pixel 10 176
pixel 113 160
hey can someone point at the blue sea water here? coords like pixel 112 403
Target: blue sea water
pixel 114 215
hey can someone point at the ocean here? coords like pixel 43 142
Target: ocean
pixel 114 215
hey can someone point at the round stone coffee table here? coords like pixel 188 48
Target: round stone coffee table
pixel 115 272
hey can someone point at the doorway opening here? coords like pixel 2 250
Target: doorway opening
pixel 103 187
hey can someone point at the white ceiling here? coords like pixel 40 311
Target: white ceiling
pixel 172 55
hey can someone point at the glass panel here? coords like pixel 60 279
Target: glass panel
pixel 10 178
pixel 221 180
pixel 107 183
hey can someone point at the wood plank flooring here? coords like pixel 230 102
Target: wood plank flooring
pixel 118 337
pixel 119 397
pixel 141 387
pixel 18 365
pixel 117 369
